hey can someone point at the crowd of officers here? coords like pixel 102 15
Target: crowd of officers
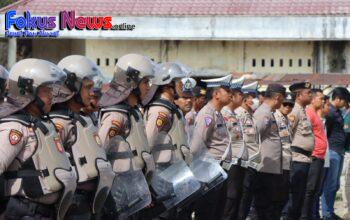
pixel 153 145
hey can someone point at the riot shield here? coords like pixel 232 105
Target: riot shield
pixel 129 191
pixel 172 184
pixel 207 170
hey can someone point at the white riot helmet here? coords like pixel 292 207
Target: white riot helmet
pixel 165 73
pixel 4 75
pixel 78 68
pixel 129 71
pixel 26 76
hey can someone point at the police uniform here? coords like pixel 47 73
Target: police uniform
pixel 270 168
pixel 285 135
pixel 239 156
pixel 250 138
pixel 301 147
pixel 211 137
pixel 35 173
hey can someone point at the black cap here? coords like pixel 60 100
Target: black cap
pixel 275 88
pixel 198 91
pixel 288 99
pixel 298 86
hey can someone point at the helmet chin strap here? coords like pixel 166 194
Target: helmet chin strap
pixel 39 104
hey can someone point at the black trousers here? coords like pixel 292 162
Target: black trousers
pixel 234 192
pixel 266 196
pixel 249 184
pixel 298 179
pixel 281 193
pixel 314 181
pixel 211 206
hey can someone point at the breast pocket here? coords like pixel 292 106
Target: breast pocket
pixel 221 130
pixel 306 127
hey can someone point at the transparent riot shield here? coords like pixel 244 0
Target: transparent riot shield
pixel 207 170
pixel 172 183
pixel 130 190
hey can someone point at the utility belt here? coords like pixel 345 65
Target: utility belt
pixel 301 151
pixel 18 207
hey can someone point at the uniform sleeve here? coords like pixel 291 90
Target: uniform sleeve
pixel 61 126
pixel 12 142
pixel 203 128
pixel 311 117
pixel 262 121
pixel 112 124
pixel 293 118
pixel 157 120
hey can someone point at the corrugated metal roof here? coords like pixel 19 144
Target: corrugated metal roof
pixel 187 7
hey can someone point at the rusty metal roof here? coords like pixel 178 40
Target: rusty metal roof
pixel 187 7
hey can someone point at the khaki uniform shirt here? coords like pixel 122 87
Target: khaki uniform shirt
pixel 286 139
pixel 302 135
pixel 211 134
pixel 271 146
pixel 250 136
pixel 234 125
pixel 158 121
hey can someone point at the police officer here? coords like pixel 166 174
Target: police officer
pixel 211 135
pixel 239 151
pixel 4 75
pixel 281 116
pixel 79 136
pixel 164 118
pixel 33 165
pixel 270 168
pixel 162 115
pixel 302 146
pixel 184 100
pixel 119 115
pixel 198 101
pixel 250 138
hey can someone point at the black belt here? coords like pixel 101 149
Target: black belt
pixel 301 151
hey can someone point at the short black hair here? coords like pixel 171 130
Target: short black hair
pixel 315 91
pixel 340 93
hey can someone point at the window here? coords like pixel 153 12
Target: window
pixel 309 62
pixel 272 62
pixel 98 61
pixel 281 62
pixel 253 63
pixel 290 62
pixel 107 61
pixel 263 62
pixel 300 62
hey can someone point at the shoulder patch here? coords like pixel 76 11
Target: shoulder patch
pixel 163 115
pixel 207 121
pixel 112 132
pixel 161 119
pixel 117 123
pixel 15 136
pixel 58 126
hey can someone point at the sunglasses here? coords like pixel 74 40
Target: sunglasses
pixel 288 104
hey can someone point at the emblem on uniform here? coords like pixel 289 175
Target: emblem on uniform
pixel 58 144
pixel 97 139
pixel 207 121
pixel 162 116
pixel 15 136
pixel 58 126
pixel 188 85
pixel 116 123
pixel 291 118
pixel 112 132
